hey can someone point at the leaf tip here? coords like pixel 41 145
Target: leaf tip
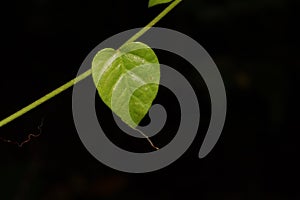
pixel 157 2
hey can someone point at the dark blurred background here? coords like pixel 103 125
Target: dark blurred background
pixel 255 46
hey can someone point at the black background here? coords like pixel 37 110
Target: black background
pixel 255 46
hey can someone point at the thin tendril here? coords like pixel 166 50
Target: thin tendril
pixel 29 137
pixel 147 137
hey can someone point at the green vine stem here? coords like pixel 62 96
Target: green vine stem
pixel 85 74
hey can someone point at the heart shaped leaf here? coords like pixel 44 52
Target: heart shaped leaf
pixel 156 2
pixel 127 80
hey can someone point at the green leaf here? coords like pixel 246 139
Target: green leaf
pixel 127 80
pixel 156 2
